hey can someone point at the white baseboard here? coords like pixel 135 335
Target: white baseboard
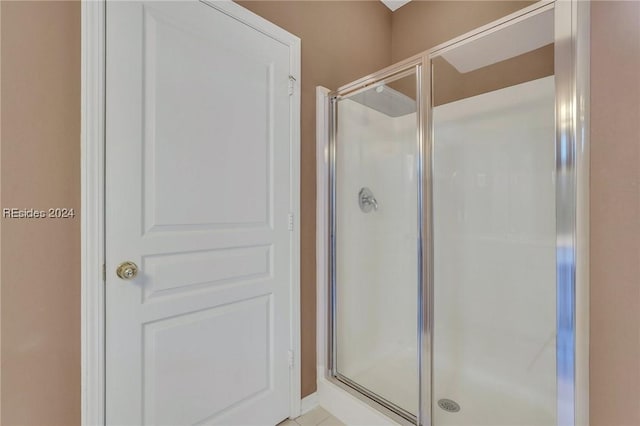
pixel 309 402
pixel 347 408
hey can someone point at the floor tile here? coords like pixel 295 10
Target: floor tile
pixel 313 417
pixel 331 421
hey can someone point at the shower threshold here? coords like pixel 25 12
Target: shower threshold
pixel 378 400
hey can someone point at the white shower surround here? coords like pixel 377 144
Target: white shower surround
pixel 495 257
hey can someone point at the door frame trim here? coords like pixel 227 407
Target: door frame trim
pixel 93 94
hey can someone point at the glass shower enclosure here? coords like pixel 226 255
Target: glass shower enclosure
pixel 454 215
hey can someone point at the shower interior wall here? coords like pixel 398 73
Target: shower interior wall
pixel 494 268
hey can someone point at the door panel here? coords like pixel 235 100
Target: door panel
pixel 165 273
pixel 179 66
pixel 246 373
pixel 198 195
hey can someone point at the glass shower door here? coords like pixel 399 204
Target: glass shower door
pixel 494 229
pixel 375 263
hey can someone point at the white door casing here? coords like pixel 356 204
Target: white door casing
pixel 202 166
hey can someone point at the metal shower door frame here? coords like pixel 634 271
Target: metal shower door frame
pixel 412 66
pixel 572 209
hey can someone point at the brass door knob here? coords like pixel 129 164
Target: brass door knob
pixel 127 270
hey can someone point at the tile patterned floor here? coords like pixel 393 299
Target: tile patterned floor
pixel 316 417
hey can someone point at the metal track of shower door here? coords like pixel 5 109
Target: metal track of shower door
pixel 377 398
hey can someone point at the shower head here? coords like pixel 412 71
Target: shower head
pixel 386 100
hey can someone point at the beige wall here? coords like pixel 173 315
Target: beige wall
pixel 451 85
pixel 423 24
pixel 615 214
pixel 341 41
pixel 40 44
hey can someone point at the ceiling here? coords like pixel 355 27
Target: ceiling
pixel 394 4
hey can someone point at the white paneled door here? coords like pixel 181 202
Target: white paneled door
pixel 201 182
